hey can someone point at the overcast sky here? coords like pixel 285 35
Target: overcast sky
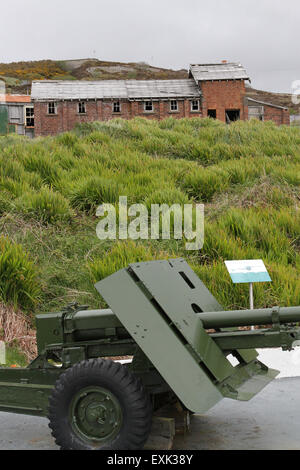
pixel 264 35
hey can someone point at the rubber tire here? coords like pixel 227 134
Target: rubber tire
pixel 126 387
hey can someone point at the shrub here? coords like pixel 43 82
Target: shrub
pixel 18 280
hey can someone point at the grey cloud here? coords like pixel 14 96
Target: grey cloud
pixel 262 34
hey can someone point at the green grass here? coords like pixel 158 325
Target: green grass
pixel 18 281
pixel 45 205
pixel 15 358
pixel 247 174
pixel 121 255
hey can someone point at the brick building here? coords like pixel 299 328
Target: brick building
pixel 59 105
pixel 214 90
pixel 223 90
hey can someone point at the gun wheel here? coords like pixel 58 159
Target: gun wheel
pixel 99 404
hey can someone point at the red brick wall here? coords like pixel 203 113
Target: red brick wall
pixel 222 95
pixel 67 114
pixel 278 115
pixel 107 110
pixel 218 95
pixel 161 110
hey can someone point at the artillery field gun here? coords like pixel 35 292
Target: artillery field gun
pixel 180 339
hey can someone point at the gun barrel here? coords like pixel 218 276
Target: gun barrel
pixel 235 318
pixel 88 325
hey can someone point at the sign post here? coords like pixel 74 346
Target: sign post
pixel 248 271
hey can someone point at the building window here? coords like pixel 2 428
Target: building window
pixel 148 106
pixel 195 105
pixel 212 113
pixel 29 117
pixel 256 112
pixel 52 108
pixel 232 115
pixel 116 107
pixel 81 107
pixel 174 105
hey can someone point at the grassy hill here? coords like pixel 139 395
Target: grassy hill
pixel 18 75
pixel 247 174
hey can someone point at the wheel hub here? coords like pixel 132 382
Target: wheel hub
pixel 96 414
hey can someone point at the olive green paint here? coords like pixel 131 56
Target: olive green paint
pixel 159 313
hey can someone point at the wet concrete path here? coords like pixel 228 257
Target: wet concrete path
pixel 271 420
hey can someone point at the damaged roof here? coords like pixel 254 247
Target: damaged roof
pixel 45 90
pixel 15 98
pixel 223 71
pixel 266 104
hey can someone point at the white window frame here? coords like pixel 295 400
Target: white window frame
pixel 28 117
pixel 117 104
pixel 198 106
pixel 83 104
pixel 176 104
pixel 54 104
pixel 148 110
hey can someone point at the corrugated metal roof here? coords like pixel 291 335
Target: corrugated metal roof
pixel 223 71
pixel 162 88
pixel 110 89
pixel 266 104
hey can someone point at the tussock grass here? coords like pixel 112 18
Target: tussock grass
pixel 5 202
pixel 247 174
pixel 45 206
pixel 168 196
pixel 121 255
pixel 18 281
pixel 13 187
pixel 202 184
pixel 89 193
pixel 44 167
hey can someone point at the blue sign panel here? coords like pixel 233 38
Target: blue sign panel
pixel 246 271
